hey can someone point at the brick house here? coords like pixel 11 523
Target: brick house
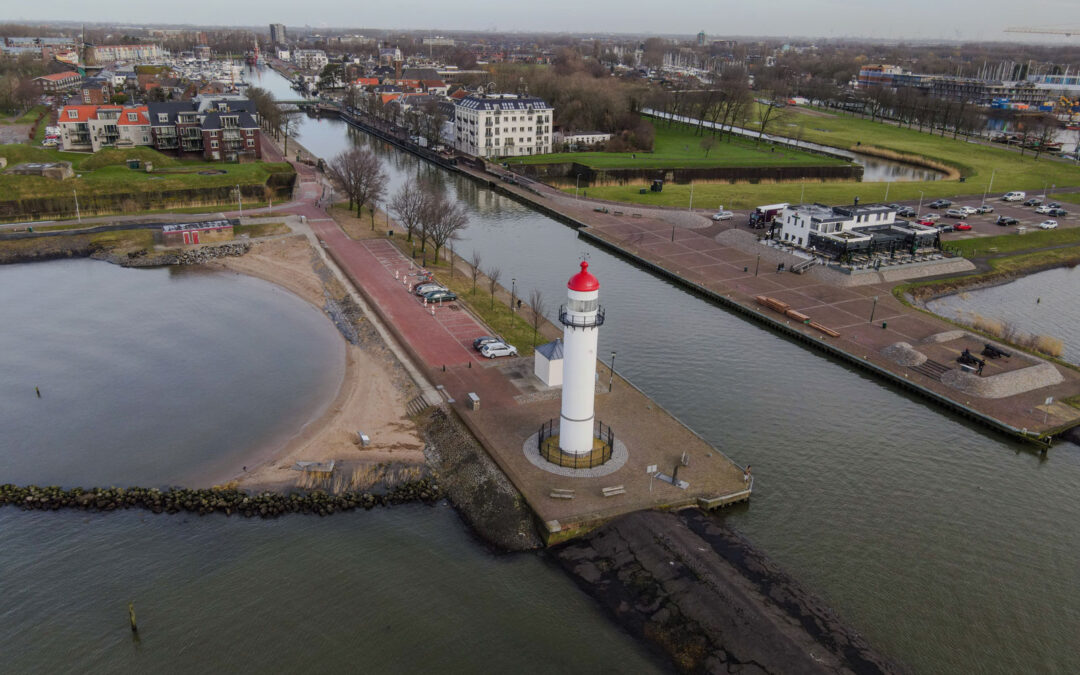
pixel 96 91
pixel 217 129
pixel 50 84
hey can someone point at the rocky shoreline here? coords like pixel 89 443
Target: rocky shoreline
pixel 228 501
pixel 699 592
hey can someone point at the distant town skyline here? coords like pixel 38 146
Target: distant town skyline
pixel 950 20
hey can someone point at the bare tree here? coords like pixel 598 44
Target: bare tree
pixel 408 206
pixel 361 176
pixel 707 144
pixel 444 219
pixel 493 274
pixel 539 309
pixel 475 272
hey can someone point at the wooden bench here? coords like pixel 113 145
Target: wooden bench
pixel 559 493
pixel 613 490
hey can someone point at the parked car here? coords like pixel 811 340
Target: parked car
pixel 1006 220
pixel 1048 224
pixel 925 221
pixel 494 349
pixel 985 208
pixel 479 342
pixel 962 227
pixel 955 213
pixel 1034 201
pixel 441 295
pixel 723 215
pixel 895 207
pixel 1014 197
pixel 1057 212
pixel 969 210
pixel 944 227
pixel 427 287
pixel 1054 205
pixel 931 216
pixel 940 204
pixel 1045 208
pixel 906 212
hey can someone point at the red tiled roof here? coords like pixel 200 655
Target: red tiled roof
pixel 366 81
pixel 56 77
pixel 434 83
pixel 141 112
pixel 459 94
pixel 85 112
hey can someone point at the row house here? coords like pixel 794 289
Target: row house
pixel 108 53
pixel 56 82
pixel 95 91
pixel 89 128
pixel 217 129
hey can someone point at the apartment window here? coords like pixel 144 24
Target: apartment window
pixel 132 117
pixel 213 144
pixel 251 142
pixel 163 117
pixel 73 114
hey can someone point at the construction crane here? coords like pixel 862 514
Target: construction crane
pixel 1067 32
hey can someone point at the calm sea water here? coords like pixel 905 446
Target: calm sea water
pixel 152 377
pixel 951 548
pixel 1043 304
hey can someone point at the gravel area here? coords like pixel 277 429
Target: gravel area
pixel 1005 384
pixel 903 354
pixel 947 336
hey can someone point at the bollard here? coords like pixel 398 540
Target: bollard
pixel 432 311
pixel 884 324
pixel 131 617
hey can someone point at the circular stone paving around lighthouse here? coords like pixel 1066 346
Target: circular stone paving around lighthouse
pixel 618 459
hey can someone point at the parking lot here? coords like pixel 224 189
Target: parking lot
pixel 984 225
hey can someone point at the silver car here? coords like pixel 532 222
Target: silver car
pixel 494 349
pixel 723 215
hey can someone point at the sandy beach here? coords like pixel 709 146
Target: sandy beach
pixel 373 392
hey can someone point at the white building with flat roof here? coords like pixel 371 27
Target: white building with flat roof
pixel 311 59
pixel 502 125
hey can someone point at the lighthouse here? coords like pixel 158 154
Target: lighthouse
pixel 581 318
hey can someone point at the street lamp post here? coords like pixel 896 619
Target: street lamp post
pixel 513 292
pixel 77 214
pixel 919 214
pixel 577 184
pixel 611 373
pixel 873 309
pixel 239 201
pixel 691 197
pixel 989 186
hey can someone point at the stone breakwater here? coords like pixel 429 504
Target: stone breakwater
pixel 206 501
pixel 190 256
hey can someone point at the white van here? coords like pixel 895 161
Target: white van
pixel 1014 196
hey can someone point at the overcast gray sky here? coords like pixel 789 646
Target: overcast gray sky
pixel 953 19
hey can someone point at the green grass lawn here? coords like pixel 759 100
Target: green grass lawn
pixel 105 173
pixel 1012 243
pixel 976 163
pixel 678 146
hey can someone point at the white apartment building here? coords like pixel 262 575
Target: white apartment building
pixel 90 128
pixel 314 59
pixel 108 53
pixel 798 221
pixel 581 138
pixel 502 125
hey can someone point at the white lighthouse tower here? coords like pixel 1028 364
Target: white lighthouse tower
pixel 581 318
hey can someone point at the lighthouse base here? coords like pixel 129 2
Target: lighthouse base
pixel 603 446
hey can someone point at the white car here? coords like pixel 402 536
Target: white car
pixel 1048 224
pixel 931 216
pixel 494 349
pixel 1043 208
pixel 1014 197
pixel 723 215
pixel 969 210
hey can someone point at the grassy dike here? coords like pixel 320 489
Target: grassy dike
pixel 104 185
pixel 975 162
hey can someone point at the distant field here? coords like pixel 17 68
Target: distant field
pixel 679 146
pixel 976 162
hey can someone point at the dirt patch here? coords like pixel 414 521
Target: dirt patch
pixel 903 354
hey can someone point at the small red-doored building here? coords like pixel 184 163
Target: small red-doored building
pixel 207 232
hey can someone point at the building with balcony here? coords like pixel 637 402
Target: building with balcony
pixel 309 59
pixel 502 125
pixel 90 128
pixel 101 54
pixel 837 231
pixel 215 128
pixel 277 33
pixel 56 82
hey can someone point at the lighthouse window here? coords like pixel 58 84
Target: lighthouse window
pixel 583 305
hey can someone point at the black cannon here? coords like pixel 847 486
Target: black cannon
pixel 992 352
pixel 968 359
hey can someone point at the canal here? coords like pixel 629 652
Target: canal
pixel 949 546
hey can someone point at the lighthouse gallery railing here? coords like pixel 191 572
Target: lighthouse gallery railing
pixel 577 321
pixel 552 453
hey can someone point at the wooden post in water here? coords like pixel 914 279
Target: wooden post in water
pixel 131 617
pixel 38 391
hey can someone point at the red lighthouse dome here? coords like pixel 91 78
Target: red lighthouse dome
pixel 583 281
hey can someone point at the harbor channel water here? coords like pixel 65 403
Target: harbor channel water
pixel 158 377
pixel 1041 304
pixel 951 548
